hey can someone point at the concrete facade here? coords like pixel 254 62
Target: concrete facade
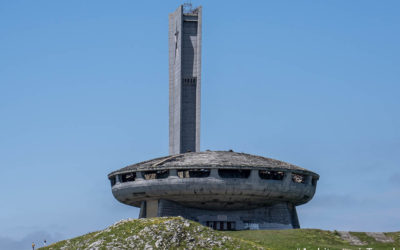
pixel 214 187
pixel 278 216
pixel 184 80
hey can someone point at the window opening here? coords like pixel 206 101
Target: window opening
pixel 234 173
pixel 128 177
pixel 271 175
pixel 113 180
pixel 194 173
pixel 158 174
pixel 314 181
pixel 298 178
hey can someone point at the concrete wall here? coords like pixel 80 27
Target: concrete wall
pixel 215 192
pixel 151 208
pixel 175 29
pixel 184 81
pixel 279 216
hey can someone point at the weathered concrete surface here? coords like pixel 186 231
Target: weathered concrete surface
pixel 213 159
pixel 184 80
pixel 247 202
pixel 215 192
pixel 151 208
pixel 243 188
pixel 278 216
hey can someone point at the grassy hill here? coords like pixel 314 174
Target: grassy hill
pixel 155 233
pixel 312 239
pixel 179 233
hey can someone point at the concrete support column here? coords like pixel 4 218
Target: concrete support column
pixel 313 180
pixel 139 176
pixel 254 175
pixel 294 217
pixel 288 178
pixel 173 173
pixel 214 173
pixel 308 180
pixel 117 179
pixel 142 213
pixel 287 181
pixel 151 208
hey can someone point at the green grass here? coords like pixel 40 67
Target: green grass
pixel 178 233
pixel 311 239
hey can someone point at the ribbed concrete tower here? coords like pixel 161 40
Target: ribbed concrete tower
pixel 184 80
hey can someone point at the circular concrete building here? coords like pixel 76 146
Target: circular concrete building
pixel 224 190
pixel 221 189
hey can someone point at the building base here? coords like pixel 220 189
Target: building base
pixel 278 216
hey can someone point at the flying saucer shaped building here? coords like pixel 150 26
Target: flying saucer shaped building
pixel 224 190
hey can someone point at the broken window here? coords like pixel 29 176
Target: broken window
pixel 128 177
pixel 298 178
pixel 193 173
pixel 113 180
pixel 234 173
pixel 271 175
pixel 158 174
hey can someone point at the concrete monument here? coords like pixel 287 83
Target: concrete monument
pixel 224 190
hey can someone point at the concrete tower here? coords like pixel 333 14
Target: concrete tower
pixel 184 80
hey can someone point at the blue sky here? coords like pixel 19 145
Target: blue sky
pixel 84 91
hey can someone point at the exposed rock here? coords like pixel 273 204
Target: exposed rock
pixel 353 240
pixel 381 237
pixel 155 233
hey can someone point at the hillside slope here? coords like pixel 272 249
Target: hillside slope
pixel 318 239
pixel 155 233
pixel 179 233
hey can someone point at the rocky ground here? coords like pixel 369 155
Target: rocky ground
pixel 155 233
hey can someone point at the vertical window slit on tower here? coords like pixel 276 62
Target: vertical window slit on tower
pixel 189 80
